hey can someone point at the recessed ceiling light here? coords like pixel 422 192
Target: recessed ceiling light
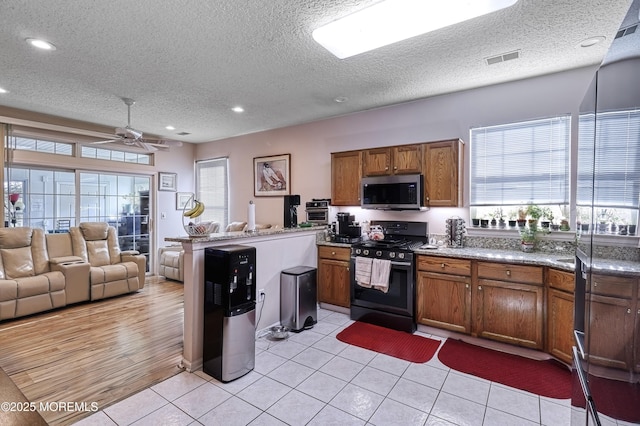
pixel 170 128
pixel 41 44
pixel 390 21
pixel 3 90
pixel 591 41
pixel 341 99
pixel 237 109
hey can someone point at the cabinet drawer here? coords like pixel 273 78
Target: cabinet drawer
pixel 561 280
pixel 611 285
pixel 508 272
pixel 444 265
pixel 337 253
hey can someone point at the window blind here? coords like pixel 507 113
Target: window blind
pixel 212 183
pixel 616 181
pixel 519 163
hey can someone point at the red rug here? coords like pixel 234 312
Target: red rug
pixel 397 344
pixel 546 378
pixel 618 400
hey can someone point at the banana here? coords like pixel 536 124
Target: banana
pixel 196 206
pixel 199 210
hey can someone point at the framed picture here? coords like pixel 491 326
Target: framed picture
pixel 272 175
pixel 167 181
pixel 184 200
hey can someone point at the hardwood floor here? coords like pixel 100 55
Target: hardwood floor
pixel 96 352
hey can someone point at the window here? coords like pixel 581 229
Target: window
pixel 114 155
pixel 31 144
pixel 520 163
pixel 212 183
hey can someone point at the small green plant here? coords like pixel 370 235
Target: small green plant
pixel 547 213
pixel 534 211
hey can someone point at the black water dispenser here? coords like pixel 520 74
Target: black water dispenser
pixel 229 311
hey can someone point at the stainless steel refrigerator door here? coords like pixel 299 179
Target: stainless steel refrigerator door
pixel 238 345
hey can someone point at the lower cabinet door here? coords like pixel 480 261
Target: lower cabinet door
pixel 509 312
pixel 444 301
pixel 560 338
pixel 334 282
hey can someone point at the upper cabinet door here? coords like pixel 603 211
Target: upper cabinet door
pixel 376 162
pixel 443 173
pixel 407 159
pixel 346 170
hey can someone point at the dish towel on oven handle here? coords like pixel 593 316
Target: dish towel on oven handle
pixel 363 271
pixel 380 271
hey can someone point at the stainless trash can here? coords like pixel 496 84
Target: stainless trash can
pixel 298 298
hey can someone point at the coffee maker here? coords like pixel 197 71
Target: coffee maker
pixel 291 202
pixel 347 231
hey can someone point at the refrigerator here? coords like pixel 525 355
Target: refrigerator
pixel 229 311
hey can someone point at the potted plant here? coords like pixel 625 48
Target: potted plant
pixel 564 224
pixel 522 217
pixel 512 218
pixel 534 212
pixel 528 237
pixel 547 215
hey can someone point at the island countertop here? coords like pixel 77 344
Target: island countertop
pixel 223 236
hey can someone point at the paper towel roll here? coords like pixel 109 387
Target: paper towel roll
pixel 251 217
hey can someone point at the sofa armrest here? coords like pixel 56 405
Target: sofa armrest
pixel 76 277
pixel 138 259
pixel 129 253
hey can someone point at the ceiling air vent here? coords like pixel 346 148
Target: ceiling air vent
pixel 627 31
pixel 183 133
pixel 503 58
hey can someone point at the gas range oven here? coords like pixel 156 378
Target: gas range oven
pixel 394 308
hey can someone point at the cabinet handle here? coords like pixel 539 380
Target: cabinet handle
pixel 629 310
pixel 595 284
pixel 480 287
pixel 395 168
pixel 508 273
pixel 333 253
pixel 442 266
pixel 466 286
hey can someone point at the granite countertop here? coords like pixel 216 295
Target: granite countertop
pixel 223 236
pixel 562 260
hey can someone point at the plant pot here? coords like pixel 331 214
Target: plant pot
pixel 631 229
pixel 545 224
pixel 555 227
pixel 602 228
pixel 484 223
pixel 502 224
pixel 527 246
pixel 493 223
pixel 521 223
pixel 622 230
pixel 475 222
pixel 512 223
pixel 584 227
pixel 564 225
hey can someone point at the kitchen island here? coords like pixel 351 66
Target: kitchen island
pixel 276 249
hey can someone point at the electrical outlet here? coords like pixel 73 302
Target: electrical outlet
pixel 261 295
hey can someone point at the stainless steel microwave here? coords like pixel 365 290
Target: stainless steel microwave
pixel 398 192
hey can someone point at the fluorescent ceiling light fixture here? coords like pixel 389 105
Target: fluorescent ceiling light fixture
pixel 390 21
pixel 237 109
pixel 41 44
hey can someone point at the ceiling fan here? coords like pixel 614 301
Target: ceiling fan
pixel 131 137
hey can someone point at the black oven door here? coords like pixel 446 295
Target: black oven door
pixel 399 297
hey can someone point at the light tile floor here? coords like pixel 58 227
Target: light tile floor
pixel 312 378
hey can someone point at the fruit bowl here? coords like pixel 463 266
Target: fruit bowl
pixel 201 229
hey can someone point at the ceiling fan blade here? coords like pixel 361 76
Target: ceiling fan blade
pixel 106 141
pixel 165 143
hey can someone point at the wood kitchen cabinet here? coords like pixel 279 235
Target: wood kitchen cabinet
pixel 334 276
pixel 611 316
pixel 508 304
pixel 346 169
pixel 560 298
pixel 394 160
pixel 443 297
pixel 443 165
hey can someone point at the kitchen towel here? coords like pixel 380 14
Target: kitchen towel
pixel 251 217
pixel 380 271
pixel 363 271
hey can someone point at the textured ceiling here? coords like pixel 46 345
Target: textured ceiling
pixel 187 62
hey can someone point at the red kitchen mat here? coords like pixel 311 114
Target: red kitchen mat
pixel 546 378
pixel 397 344
pixel 613 398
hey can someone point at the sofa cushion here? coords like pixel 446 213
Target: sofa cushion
pixel 15 237
pixel 92 231
pixel 17 262
pixel 98 253
pixel 8 290
pixel 32 286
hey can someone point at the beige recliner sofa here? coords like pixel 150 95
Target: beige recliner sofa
pixel 27 282
pixel 112 271
pixel 171 264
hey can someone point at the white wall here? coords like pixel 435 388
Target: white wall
pixel 437 118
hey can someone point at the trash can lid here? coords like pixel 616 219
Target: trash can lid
pixel 298 270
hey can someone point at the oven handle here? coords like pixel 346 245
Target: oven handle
pixel 393 263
